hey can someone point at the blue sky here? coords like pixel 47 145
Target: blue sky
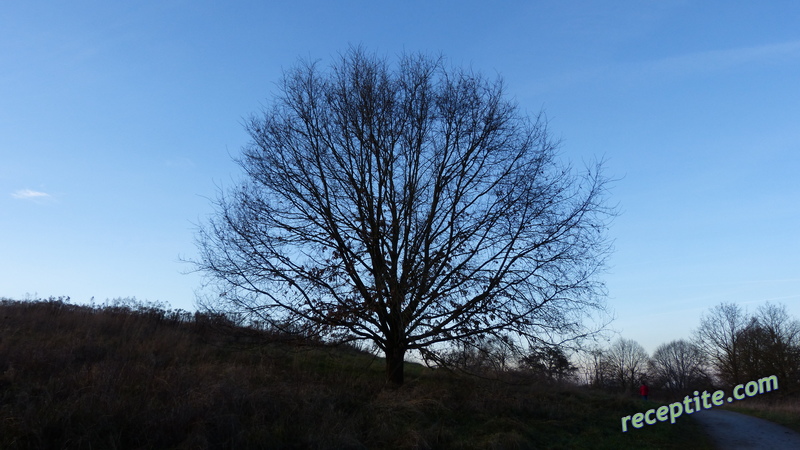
pixel 118 121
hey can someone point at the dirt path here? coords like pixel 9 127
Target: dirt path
pixel 730 430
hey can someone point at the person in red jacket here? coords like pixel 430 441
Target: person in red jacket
pixel 644 391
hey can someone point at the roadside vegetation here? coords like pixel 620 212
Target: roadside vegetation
pixel 784 410
pixel 130 375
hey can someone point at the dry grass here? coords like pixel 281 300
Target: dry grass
pixel 75 377
pixel 778 408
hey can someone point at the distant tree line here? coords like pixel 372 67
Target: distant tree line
pixel 741 347
pixel 498 358
pixel 729 347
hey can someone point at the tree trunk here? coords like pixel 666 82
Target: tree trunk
pixel 395 365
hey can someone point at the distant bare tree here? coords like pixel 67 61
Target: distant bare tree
pixel 411 206
pixel 593 368
pixel 678 366
pixel 720 336
pixel 626 362
pixel 771 345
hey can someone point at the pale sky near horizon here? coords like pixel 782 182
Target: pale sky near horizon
pixel 118 122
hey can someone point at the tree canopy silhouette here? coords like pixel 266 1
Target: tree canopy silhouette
pixel 410 205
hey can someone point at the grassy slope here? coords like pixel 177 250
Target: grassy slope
pixel 76 377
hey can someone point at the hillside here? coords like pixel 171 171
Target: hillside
pixel 141 377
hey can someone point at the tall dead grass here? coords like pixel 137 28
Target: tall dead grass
pixel 136 376
pixel 778 408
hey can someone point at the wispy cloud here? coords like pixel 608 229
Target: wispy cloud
pixel 675 66
pixel 28 194
pixel 720 60
pixel 180 163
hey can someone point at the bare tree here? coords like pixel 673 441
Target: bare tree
pixel 408 205
pixel 772 345
pixel 678 366
pixel 593 366
pixel 626 362
pixel 720 335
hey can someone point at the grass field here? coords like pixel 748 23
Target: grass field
pixel 128 378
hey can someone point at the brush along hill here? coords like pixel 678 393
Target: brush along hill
pixel 136 376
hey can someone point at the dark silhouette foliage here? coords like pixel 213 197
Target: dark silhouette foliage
pixel 550 363
pixel 741 347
